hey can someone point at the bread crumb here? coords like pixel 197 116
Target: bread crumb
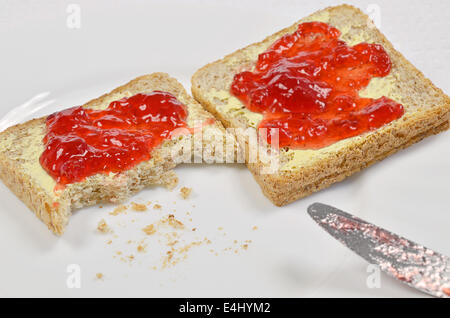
pixel 167 230
pixel 245 246
pixel 174 256
pixel 99 275
pixel 149 229
pixel 141 248
pixel 185 192
pixel 169 256
pixel 174 222
pixel 118 210
pixel 172 182
pixel 254 228
pixel 138 207
pixel 103 227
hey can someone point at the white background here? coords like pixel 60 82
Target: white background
pixel 289 254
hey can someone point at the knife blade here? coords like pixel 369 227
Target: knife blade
pixel 409 262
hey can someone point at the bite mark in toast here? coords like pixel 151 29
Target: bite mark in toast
pixel 22 145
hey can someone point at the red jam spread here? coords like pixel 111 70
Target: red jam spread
pixel 81 142
pixel 307 83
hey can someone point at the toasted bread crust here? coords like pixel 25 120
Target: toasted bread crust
pixel 24 187
pixel 419 121
pixel 55 210
pixel 281 197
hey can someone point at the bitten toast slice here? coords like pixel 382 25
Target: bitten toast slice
pixel 22 145
pixel 302 172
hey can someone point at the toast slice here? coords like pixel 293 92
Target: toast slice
pixel 302 172
pixel 21 147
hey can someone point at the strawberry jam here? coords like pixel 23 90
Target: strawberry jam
pixel 82 142
pixel 306 85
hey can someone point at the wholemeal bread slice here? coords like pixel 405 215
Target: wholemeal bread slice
pixel 302 172
pixel 22 145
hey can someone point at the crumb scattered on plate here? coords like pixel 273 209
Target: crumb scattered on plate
pixel 141 248
pixel 168 231
pixel 119 209
pixel 173 222
pixel 138 207
pixel 149 229
pixel 103 227
pixel 185 192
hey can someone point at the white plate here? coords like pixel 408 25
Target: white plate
pixel 289 254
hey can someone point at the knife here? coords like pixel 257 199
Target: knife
pixel 409 262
